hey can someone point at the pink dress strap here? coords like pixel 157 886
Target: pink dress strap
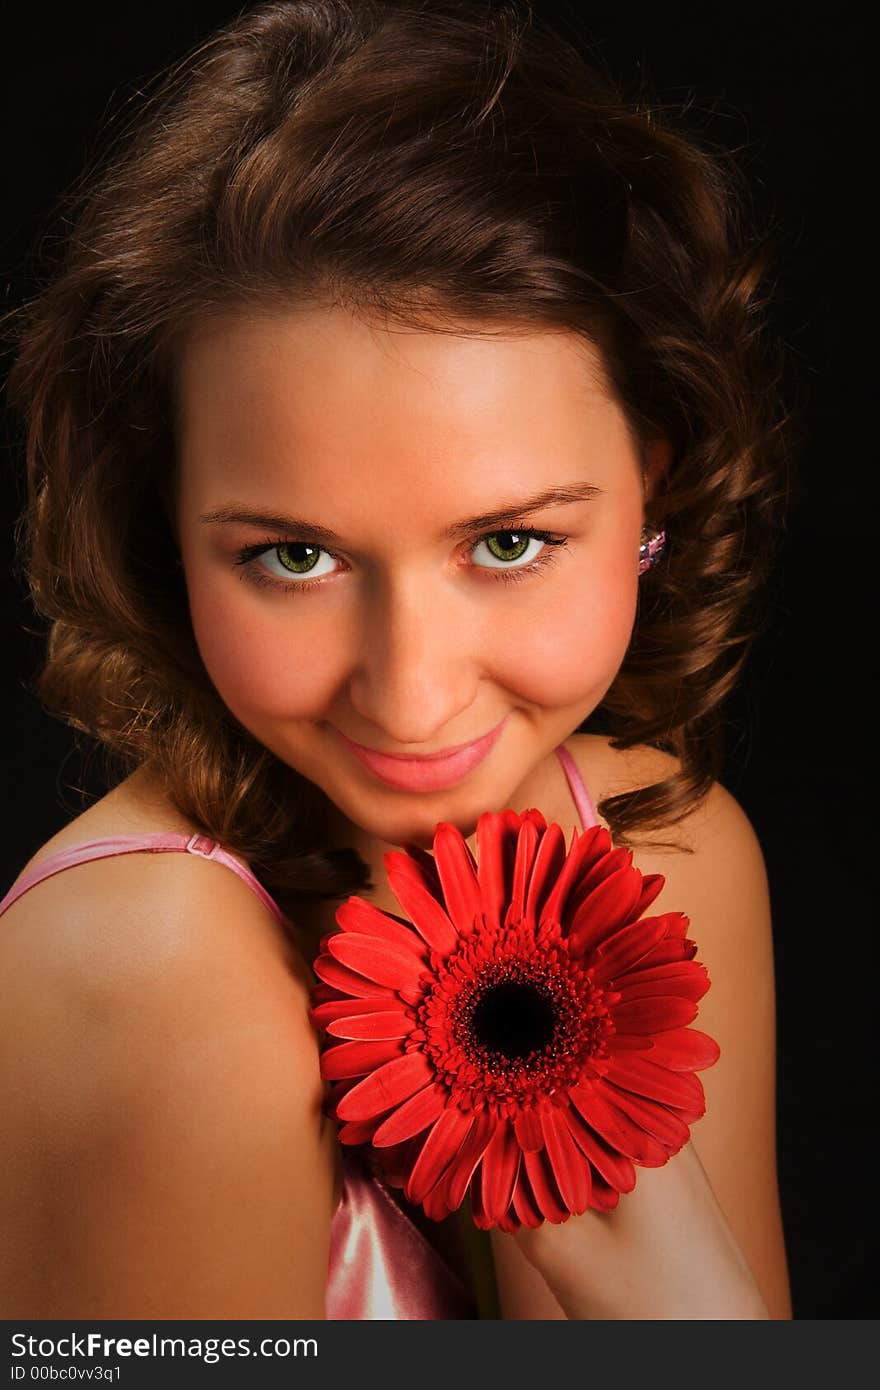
pixel 381 1265
pixel 108 845
pixel 582 800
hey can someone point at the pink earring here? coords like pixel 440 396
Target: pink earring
pixel 650 547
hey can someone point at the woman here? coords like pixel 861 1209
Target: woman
pixel 403 314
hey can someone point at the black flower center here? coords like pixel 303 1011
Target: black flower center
pixel 513 1018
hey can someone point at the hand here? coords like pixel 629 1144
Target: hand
pixel 665 1252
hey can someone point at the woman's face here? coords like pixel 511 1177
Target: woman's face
pixel 399 601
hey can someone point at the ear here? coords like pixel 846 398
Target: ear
pixel 657 455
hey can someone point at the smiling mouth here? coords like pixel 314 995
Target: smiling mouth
pixel 419 757
pixel 425 771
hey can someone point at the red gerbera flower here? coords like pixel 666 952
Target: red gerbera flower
pixel 524 1034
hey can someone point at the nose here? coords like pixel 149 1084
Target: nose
pixel 418 668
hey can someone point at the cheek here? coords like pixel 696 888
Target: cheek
pixel 571 651
pixel 260 669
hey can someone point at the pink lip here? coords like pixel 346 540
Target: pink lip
pixel 429 772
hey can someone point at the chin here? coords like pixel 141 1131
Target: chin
pixel 415 824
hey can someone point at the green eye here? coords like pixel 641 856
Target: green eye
pixel 298 557
pixel 516 551
pixel 502 552
pixel 508 545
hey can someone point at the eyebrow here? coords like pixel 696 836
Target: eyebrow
pixel 564 495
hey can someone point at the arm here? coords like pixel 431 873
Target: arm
pixel 523 1292
pixel 666 1252
pixel 163 1153
pixel 713 1210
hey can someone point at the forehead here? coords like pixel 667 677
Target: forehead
pixel 326 388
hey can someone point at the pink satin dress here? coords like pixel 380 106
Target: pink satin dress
pixel 381 1266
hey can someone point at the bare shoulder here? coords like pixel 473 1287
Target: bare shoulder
pixel 703 856
pixel 136 911
pixel 718 880
pixel 144 941
pixel 160 1083
pixel 718 818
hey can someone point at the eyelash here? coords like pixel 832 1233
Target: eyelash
pixel 251 575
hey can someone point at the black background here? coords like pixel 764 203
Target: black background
pixel 792 97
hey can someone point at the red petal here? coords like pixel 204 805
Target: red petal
pixel 335 974
pixel 354 1058
pixel 604 1198
pixel 663 1124
pixel 689 979
pixel 458 876
pixel 438 1151
pixel 509 1222
pixel 615 1168
pixel 358 915
pixel 524 1203
pixel 381 961
pixel 341 1088
pixel 356 1132
pixel 652 887
pixel 545 872
pixel 434 1205
pixel 653 1015
pixel 626 1042
pixel 418 902
pixel 571 1171
pixel 671 951
pixel 461 1170
pixel 321 993
pixel 597 844
pixel 322 1014
pixel 612 862
pixel 585 848
pixel 478 1215
pixel 412 1116
pixel 649 974
pixel 527 1127
pixel 499 1169
pixel 546 1194
pixel 617 1127
pixel 388 1024
pixel 609 863
pixel 609 907
pixel 635 1073
pixel 685 1049
pixel 390 1085
pixel 620 952
pixel 496 847
pixel 427 867
pixel 526 848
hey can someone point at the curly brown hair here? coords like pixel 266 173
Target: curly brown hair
pixel 392 158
